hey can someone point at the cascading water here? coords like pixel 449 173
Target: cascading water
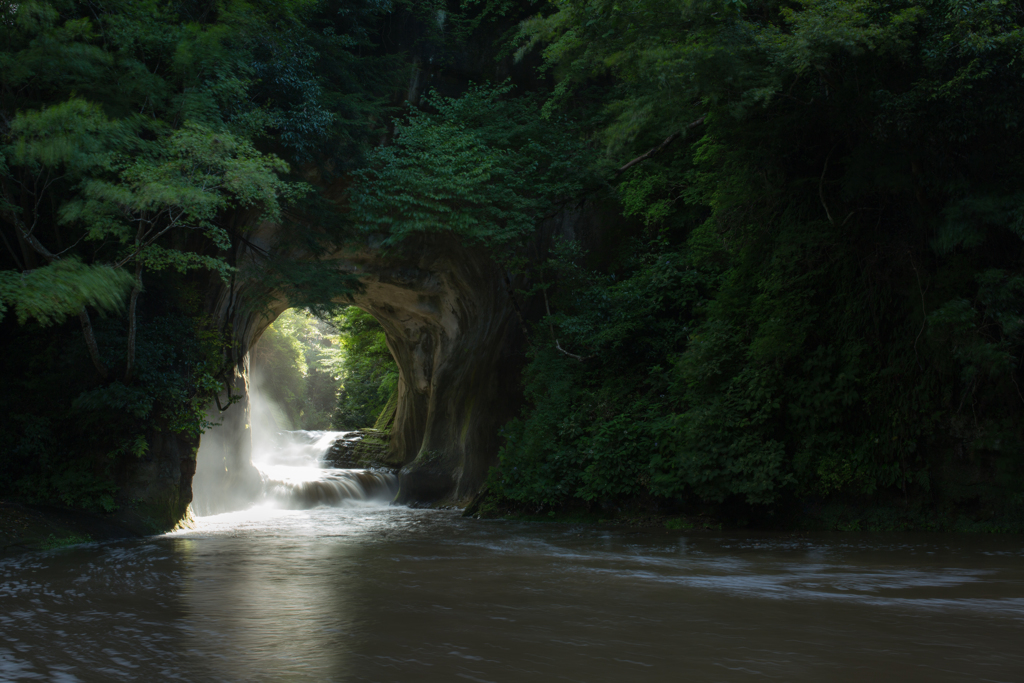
pixel 294 476
pixel 270 465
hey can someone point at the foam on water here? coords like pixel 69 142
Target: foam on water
pixel 293 477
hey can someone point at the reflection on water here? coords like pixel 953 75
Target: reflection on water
pixel 374 593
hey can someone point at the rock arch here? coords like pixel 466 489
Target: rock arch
pixel 458 338
pixel 453 329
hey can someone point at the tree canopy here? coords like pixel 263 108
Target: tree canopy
pixel 140 143
pixel 808 294
pixel 827 245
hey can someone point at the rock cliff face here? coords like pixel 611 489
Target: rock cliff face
pixel 159 483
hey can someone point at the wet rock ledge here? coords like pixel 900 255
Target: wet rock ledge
pixel 360 450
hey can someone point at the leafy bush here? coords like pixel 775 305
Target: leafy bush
pixel 840 173
pixel 363 363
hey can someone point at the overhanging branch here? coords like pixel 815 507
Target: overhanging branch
pixel 658 149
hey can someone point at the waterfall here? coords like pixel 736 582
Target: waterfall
pixel 294 478
pixel 334 488
pixel 292 475
pixel 292 454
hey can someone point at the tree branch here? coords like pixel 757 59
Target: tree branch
pixel 653 151
pixel 544 291
pixel 34 242
pixel 258 249
pixel 148 240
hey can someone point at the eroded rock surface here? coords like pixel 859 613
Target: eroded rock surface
pixel 453 330
pixel 362 449
pixel 451 325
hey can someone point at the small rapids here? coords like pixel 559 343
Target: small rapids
pixel 294 478
pixel 334 488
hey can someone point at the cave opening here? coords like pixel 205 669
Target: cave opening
pixel 322 393
pixel 331 373
pixel 456 348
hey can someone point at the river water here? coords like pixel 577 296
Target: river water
pixel 364 591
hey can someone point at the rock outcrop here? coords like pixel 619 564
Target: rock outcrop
pixel 362 449
pixel 452 328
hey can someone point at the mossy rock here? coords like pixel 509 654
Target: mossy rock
pixel 362 449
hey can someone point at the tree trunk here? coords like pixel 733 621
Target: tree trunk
pixel 90 342
pixel 130 355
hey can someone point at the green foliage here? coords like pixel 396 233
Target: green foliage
pixel 188 179
pixel 51 293
pixel 278 370
pixel 180 182
pixel 596 387
pixel 63 437
pixel 171 148
pixel 175 375
pixel 841 172
pixel 288 368
pixel 482 166
pixel 335 374
pixel 130 182
pixel 363 363
pixel 52 542
pixel 135 154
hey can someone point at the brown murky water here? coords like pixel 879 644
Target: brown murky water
pixel 373 593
